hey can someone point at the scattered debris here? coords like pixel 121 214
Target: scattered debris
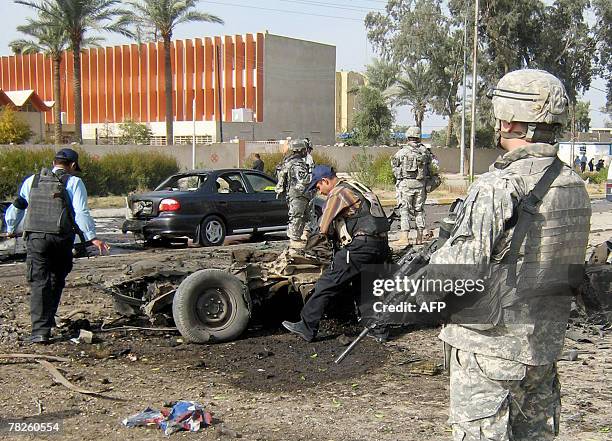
pixel 58 377
pixel 184 415
pixel 35 357
pixel 85 336
pixel 425 367
pixel 39 406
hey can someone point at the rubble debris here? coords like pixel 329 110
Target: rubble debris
pixel 184 415
pixel 35 357
pixel 59 378
pixel 85 336
pixel 425 367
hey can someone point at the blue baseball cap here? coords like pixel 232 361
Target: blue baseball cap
pixel 318 173
pixel 70 156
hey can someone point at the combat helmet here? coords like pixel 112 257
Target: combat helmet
pixel 531 96
pixel 413 132
pixel 297 145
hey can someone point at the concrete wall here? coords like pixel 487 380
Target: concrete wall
pixel 299 89
pixel 36 121
pixel 449 158
pixel 233 154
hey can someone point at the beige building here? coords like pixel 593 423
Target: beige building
pixel 32 109
pixel 346 99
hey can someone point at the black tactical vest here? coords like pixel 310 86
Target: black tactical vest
pixel 48 204
pixel 370 219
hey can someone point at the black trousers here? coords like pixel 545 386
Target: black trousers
pixel 48 262
pixel 361 251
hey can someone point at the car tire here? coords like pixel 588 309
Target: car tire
pixel 211 306
pixel 212 231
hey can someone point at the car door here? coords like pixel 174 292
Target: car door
pixel 274 211
pixel 238 205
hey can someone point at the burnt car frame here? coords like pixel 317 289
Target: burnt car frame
pixel 207 206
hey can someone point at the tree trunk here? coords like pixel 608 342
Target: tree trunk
pixel 449 131
pixel 168 88
pixel 57 97
pixel 78 106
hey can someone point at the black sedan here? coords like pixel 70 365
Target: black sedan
pixel 207 205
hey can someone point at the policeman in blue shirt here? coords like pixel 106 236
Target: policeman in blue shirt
pixel 54 203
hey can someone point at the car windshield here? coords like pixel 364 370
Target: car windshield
pixel 183 183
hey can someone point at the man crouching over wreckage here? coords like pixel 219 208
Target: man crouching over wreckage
pixel 354 219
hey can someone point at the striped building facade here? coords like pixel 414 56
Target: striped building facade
pixel 221 73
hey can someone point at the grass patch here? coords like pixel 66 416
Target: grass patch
pixel 106 202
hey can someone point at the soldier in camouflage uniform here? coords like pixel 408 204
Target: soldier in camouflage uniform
pixel 293 177
pixel 503 375
pixel 411 168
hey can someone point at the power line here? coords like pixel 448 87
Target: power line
pixel 334 5
pixel 287 11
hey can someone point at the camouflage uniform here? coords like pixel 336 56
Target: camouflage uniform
pixel 503 383
pixel 409 168
pixel 294 175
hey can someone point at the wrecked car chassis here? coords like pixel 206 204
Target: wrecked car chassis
pixel 212 304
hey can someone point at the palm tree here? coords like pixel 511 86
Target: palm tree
pixel 52 42
pixel 160 17
pixel 76 18
pixel 413 89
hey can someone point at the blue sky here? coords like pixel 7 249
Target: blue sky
pixel 337 22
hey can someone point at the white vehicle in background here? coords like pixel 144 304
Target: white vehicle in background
pixel 10 247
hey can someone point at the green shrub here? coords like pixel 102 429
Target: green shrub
pixel 116 173
pixel 596 177
pixel 321 157
pixel 373 171
pixel 134 171
pixel 131 132
pixel 13 129
pixel 271 160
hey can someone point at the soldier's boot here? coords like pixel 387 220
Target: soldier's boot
pixel 296 247
pixel 419 237
pixel 403 239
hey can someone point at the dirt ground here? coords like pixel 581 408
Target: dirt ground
pixel 267 386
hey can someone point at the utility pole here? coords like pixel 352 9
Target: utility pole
pixel 464 95
pixel 474 87
pixel 193 146
pixel 219 99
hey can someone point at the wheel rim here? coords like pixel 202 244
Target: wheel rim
pixel 214 231
pixel 214 308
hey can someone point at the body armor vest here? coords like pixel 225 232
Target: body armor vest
pixel 48 205
pixel 531 284
pixel 414 163
pixel 369 220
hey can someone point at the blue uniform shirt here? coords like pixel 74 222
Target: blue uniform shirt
pixel 76 192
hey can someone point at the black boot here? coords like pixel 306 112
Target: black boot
pixel 299 328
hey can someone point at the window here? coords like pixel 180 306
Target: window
pixel 230 183
pixel 260 183
pixel 183 183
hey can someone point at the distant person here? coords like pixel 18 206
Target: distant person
pixel 600 164
pixel 258 164
pixel 583 163
pixel 577 163
pixel 591 165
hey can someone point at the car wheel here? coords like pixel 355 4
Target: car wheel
pixel 211 306
pixel 212 231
